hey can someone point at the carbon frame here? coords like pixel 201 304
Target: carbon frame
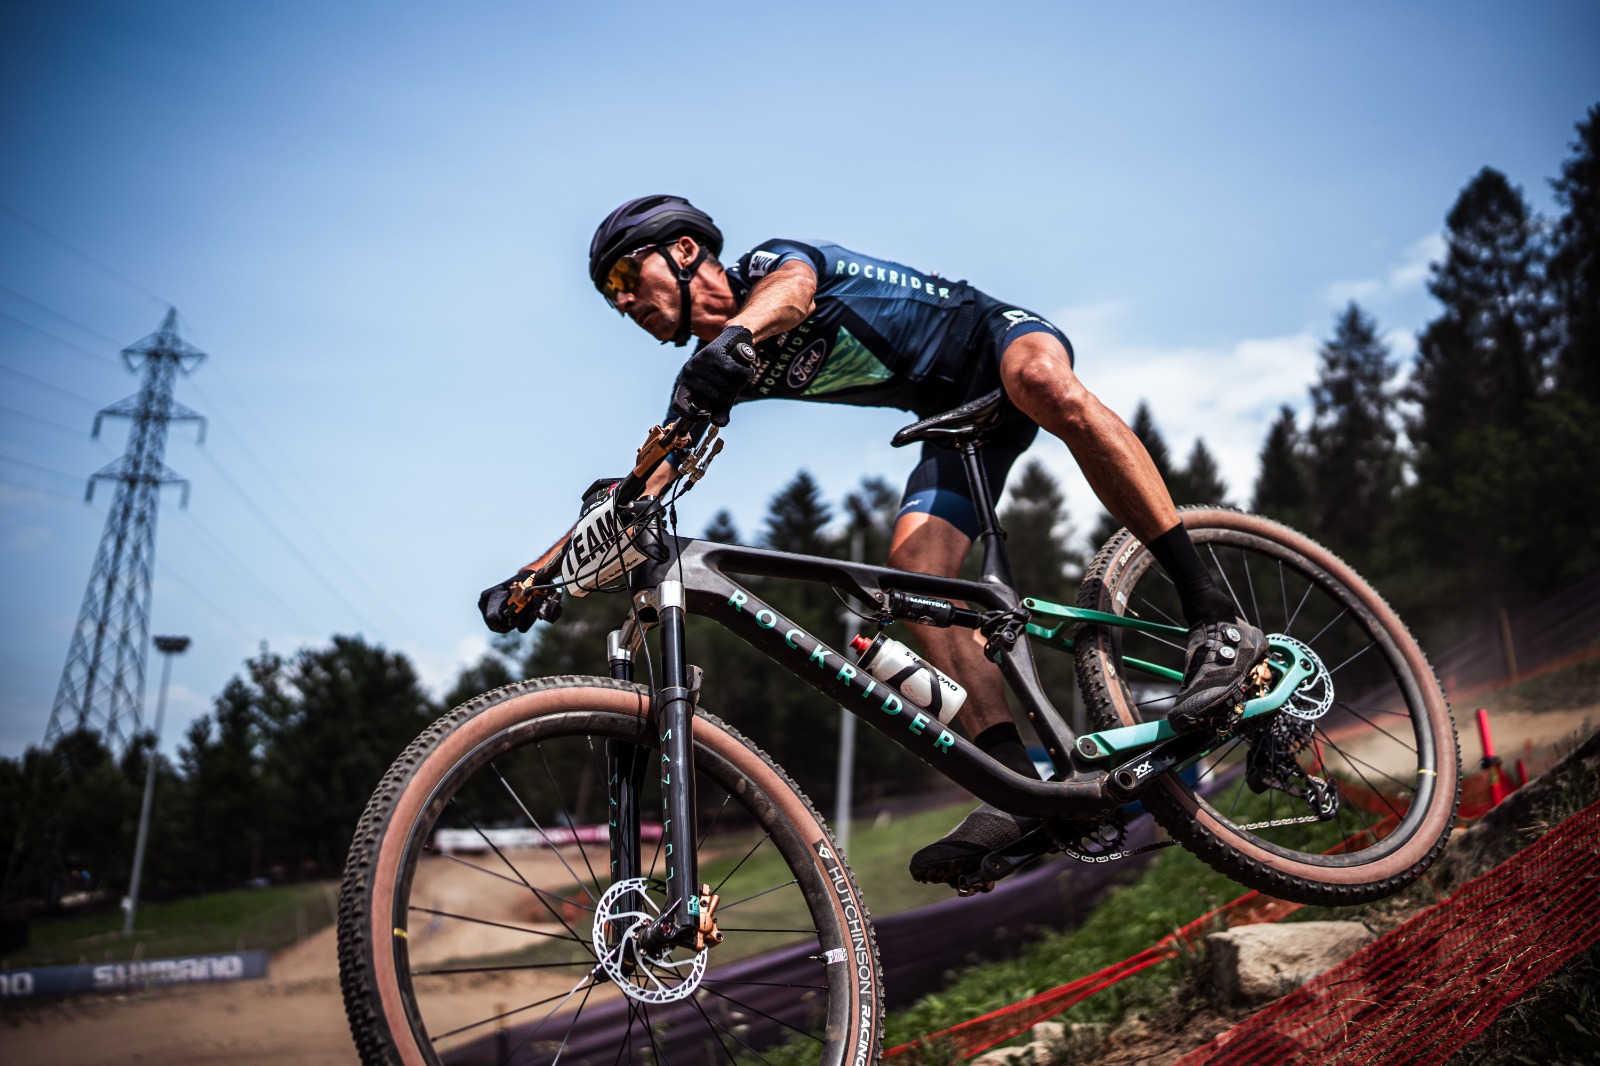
pixel 703 568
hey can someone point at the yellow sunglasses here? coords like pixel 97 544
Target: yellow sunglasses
pixel 624 275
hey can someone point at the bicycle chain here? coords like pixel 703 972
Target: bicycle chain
pixel 1114 856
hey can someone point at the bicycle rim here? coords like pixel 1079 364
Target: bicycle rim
pixel 493 871
pixel 1375 728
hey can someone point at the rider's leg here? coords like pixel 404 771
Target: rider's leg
pixel 929 544
pixel 933 545
pixel 1037 373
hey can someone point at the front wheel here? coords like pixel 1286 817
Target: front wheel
pixel 480 921
pixel 1345 795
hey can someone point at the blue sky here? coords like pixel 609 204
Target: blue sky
pixel 374 218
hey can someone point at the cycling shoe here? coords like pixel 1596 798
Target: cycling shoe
pixel 1219 659
pixel 961 851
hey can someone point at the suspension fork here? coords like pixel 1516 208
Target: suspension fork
pixel 625 767
pixel 675 720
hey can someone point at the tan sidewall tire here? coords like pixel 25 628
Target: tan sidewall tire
pixel 482 720
pixel 1195 825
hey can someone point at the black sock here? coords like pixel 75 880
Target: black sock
pixel 1202 601
pixel 1003 744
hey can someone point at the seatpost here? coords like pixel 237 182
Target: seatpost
pixel 675 718
pixel 996 566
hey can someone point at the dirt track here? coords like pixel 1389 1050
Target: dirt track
pixel 296 1016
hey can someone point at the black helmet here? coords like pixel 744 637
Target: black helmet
pixel 652 220
pixel 647 220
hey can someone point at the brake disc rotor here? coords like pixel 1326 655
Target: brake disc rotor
pixel 664 978
pixel 1313 697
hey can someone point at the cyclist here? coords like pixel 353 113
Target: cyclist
pixel 811 320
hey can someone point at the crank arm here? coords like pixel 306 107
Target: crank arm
pixel 1007 860
pixel 1126 781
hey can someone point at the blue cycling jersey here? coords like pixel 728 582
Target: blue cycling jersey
pixel 882 334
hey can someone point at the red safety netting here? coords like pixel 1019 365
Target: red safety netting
pixel 1479 793
pixel 1419 994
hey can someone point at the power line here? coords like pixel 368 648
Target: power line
pixel 287 542
pixel 25 220
pixel 327 542
pixel 74 497
pixel 41 382
pixel 220 547
pixel 53 313
pixel 76 431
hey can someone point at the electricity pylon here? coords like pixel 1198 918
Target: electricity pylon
pixel 102 685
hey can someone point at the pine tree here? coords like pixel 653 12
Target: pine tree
pixel 1281 483
pixel 1481 362
pixel 798 517
pixel 721 528
pixel 1200 480
pixel 1351 462
pixel 1575 264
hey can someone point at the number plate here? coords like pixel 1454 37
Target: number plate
pixel 599 551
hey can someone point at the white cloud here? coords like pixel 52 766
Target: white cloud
pixel 1400 279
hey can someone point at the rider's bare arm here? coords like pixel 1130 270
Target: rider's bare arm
pixel 781 300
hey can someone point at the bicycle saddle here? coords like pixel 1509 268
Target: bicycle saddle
pixel 970 421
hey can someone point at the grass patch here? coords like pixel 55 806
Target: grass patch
pixel 1176 889
pixel 263 918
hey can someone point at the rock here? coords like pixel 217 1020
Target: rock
pixel 1048 1033
pixel 1256 963
pixel 1003 1056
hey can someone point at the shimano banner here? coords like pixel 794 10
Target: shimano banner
pixel 127 976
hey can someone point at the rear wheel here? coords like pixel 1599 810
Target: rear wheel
pixel 1345 795
pixel 479 920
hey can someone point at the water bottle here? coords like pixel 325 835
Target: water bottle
pixel 898 666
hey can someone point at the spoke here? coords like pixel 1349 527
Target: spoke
pixel 1283 589
pixel 1231 594
pixel 704 836
pixel 1356 764
pixel 554 849
pixel 1250 580
pixel 765 837
pixel 499 969
pixel 561 804
pixel 1348 705
pixel 472 865
pixel 1289 629
pixel 1219 758
pixel 562 996
pixel 650 1031
pixel 745 1006
pixel 502 925
pixel 584 1002
pixel 1157 610
pixel 1342 612
pixel 713 1026
pixel 1382 730
pixel 741 929
pixel 1352 658
pixel 539 895
pixel 758 895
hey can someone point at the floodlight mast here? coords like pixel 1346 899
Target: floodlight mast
pixel 168 647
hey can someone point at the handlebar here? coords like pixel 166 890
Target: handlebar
pixel 659 443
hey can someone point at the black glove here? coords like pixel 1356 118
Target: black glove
pixel 495 605
pixel 713 377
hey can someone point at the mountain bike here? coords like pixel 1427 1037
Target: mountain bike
pixel 598 869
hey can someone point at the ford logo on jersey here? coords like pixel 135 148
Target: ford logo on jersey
pixel 807 363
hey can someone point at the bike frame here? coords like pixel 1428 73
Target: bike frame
pixel 694 576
